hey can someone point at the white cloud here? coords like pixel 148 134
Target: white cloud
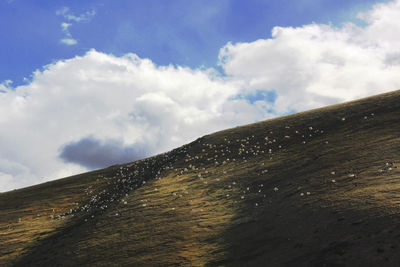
pixel 131 106
pixel 66 13
pixel 13 173
pixel 101 102
pixel 69 41
pixel 5 85
pixel 65 26
pixel 316 65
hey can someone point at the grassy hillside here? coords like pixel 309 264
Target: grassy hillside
pixel 318 188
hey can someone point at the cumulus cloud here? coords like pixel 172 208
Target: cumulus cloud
pixel 12 173
pixel 5 85
pixel 97 109
pixel 93 153
pixel 316 65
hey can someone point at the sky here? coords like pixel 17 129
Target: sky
pixel 87 84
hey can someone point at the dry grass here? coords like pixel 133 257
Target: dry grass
pixel 336 203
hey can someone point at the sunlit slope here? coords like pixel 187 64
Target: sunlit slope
pixel 315 188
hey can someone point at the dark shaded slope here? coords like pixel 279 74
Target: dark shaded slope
pixel 312 189
pixel 32 213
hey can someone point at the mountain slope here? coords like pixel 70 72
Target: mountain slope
pixel 314 188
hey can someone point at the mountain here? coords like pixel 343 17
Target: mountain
pixel 317 188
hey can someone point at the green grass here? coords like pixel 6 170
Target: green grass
pixel 230 214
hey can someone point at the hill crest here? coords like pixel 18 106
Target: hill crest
pixel 313 188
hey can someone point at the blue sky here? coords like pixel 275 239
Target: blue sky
pixel 181 32
pixel 94 83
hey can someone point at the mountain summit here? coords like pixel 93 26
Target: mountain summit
pixel 317 188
